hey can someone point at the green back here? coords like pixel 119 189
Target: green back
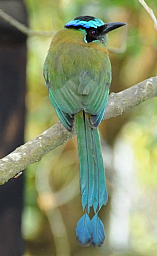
pixel 78 78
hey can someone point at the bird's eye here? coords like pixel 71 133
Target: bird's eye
pixel 93 32
pixel 92 35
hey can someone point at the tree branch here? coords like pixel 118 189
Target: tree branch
pixel 29 32
pixel 24 29
pixel 57 135
pixel 150 12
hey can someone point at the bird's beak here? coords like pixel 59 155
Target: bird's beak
pixel 111 26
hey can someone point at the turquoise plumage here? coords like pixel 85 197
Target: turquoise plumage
pixel 77 72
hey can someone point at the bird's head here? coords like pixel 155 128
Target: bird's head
pixel 94 29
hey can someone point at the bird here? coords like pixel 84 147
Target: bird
pixel 77 72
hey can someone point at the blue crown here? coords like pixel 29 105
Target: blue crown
pixel 85 22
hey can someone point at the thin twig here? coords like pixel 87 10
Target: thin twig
pixel 29 32
pixel 150 12
pixel 122 49
pixel 35 149
pixel 21 27
pixel 49 201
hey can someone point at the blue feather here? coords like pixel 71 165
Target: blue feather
pixel 100 192
pixel 92 23
pixel 92 181
pixel 98 234
pixel 86 162
pixel 84 230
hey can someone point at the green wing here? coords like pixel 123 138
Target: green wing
pixel 78 78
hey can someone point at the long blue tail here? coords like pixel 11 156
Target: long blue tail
pixel 92 182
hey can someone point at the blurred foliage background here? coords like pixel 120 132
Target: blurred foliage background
pixel 129 142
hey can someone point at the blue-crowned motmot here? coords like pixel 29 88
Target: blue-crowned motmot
pixel 77 72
